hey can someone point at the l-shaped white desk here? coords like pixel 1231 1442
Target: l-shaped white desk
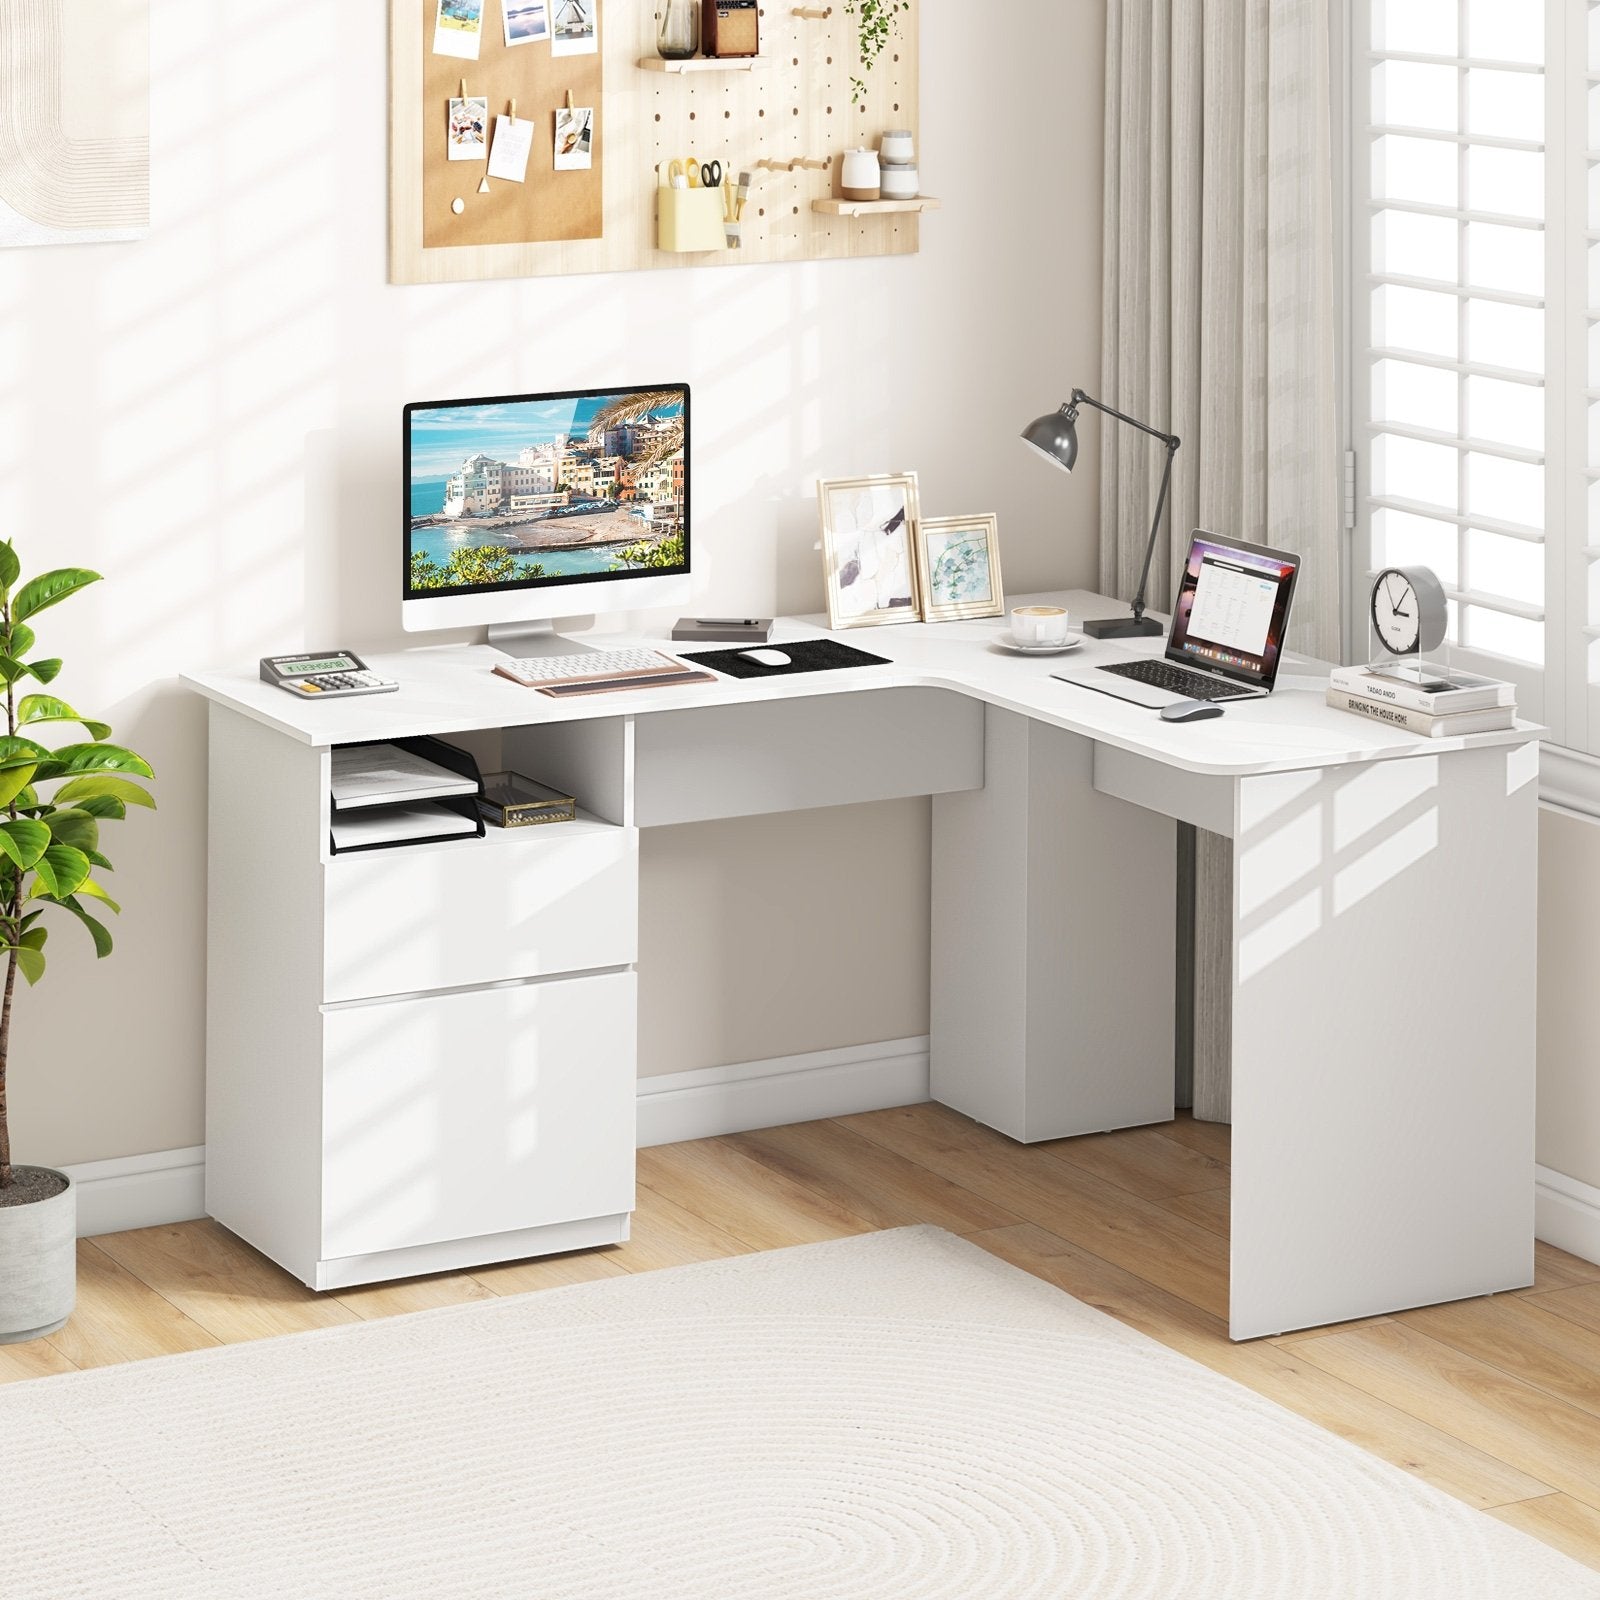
pixel 422 1059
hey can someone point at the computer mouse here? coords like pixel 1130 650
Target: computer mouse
pixel 1190 711
pixel 766 658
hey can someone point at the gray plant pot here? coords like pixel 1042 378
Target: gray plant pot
pixel 38 1265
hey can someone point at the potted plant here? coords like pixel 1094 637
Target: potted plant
pixel 876 22
pixel 49 855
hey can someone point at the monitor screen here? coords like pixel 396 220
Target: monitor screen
pixel 1233 608
pixel 529 491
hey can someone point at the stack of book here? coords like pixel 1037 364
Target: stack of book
pixel 1422 699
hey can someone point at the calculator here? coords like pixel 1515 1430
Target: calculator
pixel 330 675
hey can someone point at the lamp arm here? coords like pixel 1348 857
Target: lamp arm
pixel 1079 398
pixel 1155 528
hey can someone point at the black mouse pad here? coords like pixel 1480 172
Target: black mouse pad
pixel 809 655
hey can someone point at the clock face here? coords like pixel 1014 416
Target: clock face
pixel 1410 611
pixel 1395 613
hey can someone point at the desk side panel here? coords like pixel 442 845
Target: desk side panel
pixel 267 829
pixel 1383 1037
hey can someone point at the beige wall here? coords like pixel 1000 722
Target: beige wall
pixel 1569 996
pixel 212 419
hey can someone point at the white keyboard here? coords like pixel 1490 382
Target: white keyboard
pixel 598 670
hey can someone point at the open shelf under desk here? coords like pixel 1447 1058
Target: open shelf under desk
pixel 504 840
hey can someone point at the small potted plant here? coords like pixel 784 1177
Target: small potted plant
pixel 52 803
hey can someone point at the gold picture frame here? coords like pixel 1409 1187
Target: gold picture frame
pixel 869 543
pixel 955 582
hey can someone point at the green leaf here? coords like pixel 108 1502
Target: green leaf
pixel 50 588
pixel 45 670
pixel 13 746
pixel 61 871
pixel 105 806
pixel 13 780
pixel 34 938
pixel 46 708
pixel 72 759
pixel 73 827
pixel 24 840
pixel 98 860
pixel 22 640
pixel 97 930
pixel 29 961
pixel 89 794
pixel 10 565
pixel 93 889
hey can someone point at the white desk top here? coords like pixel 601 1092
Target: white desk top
pixel 453 689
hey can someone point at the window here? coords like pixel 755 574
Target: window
pixel 1473 335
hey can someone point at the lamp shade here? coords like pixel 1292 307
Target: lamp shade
pixel 1055 437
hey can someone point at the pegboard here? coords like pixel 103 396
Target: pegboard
pixel 792 105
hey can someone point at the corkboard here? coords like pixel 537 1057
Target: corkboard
pixel 550 204
pixel 793 105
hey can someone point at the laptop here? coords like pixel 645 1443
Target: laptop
pixel 1227 630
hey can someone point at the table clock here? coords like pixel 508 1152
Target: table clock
pixel 1410 614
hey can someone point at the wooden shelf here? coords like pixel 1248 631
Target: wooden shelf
pixel 874 208
pixel 704 64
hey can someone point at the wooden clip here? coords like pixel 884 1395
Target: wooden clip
pixel 513 111
pixel 463 88
pixel 569 99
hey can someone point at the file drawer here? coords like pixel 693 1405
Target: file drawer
pixel 459 1115
pixel 522 903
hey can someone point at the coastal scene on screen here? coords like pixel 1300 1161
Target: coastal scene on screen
pixel 521 491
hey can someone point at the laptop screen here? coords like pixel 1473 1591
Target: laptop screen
pixel 1233 608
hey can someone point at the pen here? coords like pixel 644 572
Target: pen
pixel 728 622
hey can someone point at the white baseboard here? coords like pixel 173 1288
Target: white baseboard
pixel 767 1094
pixel 140 1191
pixel 1566 1213
pixel 170 1185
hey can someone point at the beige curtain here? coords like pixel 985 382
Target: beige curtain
pixel 1219 327
pixel 1219 289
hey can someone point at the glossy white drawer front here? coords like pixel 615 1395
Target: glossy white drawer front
pixel 563 897
pixel 459 1115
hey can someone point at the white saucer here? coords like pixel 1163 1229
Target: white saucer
pixel 1071 642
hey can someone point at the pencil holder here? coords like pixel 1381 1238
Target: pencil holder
pixel 691 220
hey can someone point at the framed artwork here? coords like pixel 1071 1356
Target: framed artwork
pixel 958 568
pixel 869 533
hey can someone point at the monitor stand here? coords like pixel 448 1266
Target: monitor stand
pixel 530 640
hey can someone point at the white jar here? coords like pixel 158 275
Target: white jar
pixel 898 148
pixel 901 183
pixel 859 178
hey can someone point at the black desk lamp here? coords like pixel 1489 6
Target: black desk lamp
pixel 1055 437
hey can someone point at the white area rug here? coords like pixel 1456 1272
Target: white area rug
pixel 898 1416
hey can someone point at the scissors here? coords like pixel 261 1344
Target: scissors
pixel 694 174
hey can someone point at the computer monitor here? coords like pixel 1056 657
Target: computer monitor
pixel 523 508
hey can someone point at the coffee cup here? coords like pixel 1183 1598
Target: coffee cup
pixel 1034 627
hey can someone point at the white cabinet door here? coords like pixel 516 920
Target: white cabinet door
pixel 460 1115
pixel 530 903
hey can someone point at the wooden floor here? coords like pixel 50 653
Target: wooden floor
pixel 1496 1401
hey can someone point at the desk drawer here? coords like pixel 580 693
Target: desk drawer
pixel 795 755
pixel 522 903
pixel 459 1115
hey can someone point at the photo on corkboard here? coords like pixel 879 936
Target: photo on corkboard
pixel 469 128
pixel 574 138
pixel 458 28
pixel 525 21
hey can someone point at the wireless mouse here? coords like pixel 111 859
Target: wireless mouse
pixel 1190 711
pixel 766 658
